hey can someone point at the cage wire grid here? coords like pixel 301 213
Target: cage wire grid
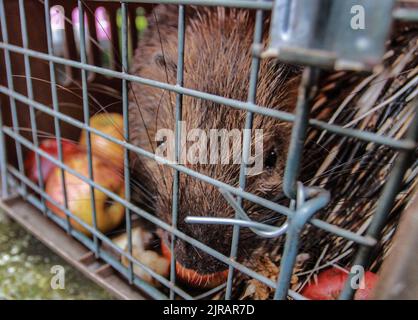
pixel 305 201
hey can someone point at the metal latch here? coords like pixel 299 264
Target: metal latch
pixel 340 34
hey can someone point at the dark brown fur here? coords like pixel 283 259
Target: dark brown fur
pixel 217 60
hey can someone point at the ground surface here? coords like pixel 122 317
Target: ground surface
pixel 25 269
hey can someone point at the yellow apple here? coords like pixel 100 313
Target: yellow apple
pixel 112 125
pixel 109 213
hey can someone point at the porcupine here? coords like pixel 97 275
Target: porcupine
pixel 217 60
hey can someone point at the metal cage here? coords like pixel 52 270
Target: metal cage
pixel 27 47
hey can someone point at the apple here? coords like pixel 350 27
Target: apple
pixel 193 278
pixel 49 146
pixel 112 125
pixel 141 240
pixel 331 282
pixel 109 213
pixel 152 260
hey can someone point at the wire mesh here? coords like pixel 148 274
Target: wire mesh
pixel 305 201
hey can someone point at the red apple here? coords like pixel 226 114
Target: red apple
pixel 112 125
pixel 191 277
pixel 108 212
pixel 331 282
pixel 49 146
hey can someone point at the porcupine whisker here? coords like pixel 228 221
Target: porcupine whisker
pixel 60 87
pixel 69 90
pixel 277 217
pixel 92 87
pixel 95 87
pixel 44 134
pixel 282 197
pixel 102 108
pixel 341 172
pixel 109 91
pixel 197 251
pixel 118 58
pixel 136 185
pixel 142 188
pixel 342 164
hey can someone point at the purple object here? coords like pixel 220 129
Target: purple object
pixel 102 24
pixel 76 20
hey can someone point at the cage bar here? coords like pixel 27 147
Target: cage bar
pixel 246 144
pixel 300 127
pixel 125 107
pixel 3 159
pixel 244 4
pixel 55 105
pixel 86 113
pixel 9 76
pixel 29 86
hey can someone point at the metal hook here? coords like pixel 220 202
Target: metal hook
pixel 260 229
pixel 304 193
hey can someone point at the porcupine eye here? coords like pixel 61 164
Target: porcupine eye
pixel 271 159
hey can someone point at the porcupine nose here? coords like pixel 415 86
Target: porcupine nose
pixel 191 257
